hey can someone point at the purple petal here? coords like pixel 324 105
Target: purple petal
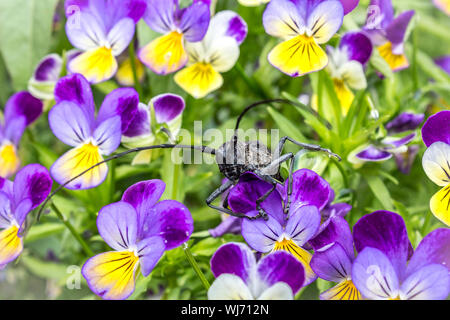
pixel 332 263
pixel 349 5
pixel 374 275
pixel 337 209
pixel 22 104
pixel 194 21
pixel 385 231
pixel 170 220
pixel 233 258
pixel 380 14
pixel 32 182
pixel 69 123
pixel 122 102
pixel 281 267
pixel 357 46
pixel 143 196
pixel 160 15
pixel 243 196
pixel 437 128
pixel 399 142
pixel 6 217
pixel 303 224
pixel 229 225
pixel 14 129
pixel 284 18
pixel 118 225
pixel 23 208
pixel 167 107
pixel 150 250
pixel 433 249
pixel 85 30
pixel 405 160
pixel 372 153
pixel 261 235
pixel 308 188
pixel 405 121
pixel 444 63
pixel 229 23
pixel 428 283
pixel 395 32
pixel 48 69
pixel 107 135
pixel 140 125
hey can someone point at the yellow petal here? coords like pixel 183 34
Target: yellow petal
pixel 165 54
pixel 395 61
pixel 440 205
pixel 9 161
pixel 142 157
pixel 125 73
pixel 301 254
pixel 95 65
pixel 199 79
pixel 344 94
pixel 10 245
pixel 298 56
pixel 344 290
pixel 111 275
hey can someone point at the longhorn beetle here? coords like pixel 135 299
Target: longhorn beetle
pixel 234 158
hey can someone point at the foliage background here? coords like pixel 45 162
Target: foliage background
pixel 30 29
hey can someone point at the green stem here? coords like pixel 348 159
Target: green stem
pixel 195 266
pixel 251 83
pixel 112 185
pixel 72 231
pixel 426 223
pixel 132 56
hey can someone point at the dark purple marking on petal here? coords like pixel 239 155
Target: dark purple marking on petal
pixel 405 121
pixel 372 153
pixel 23 104
pixel 357 45
pixel 167 107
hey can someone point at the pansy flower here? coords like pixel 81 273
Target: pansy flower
pixel 102 30
pixel 73 121
pixel 163 111
pixel 124 75
pixel 21 110
pixel 277 276
pixel 381 270
pixel 443 5
pixel 435 161
pixel 444 63
pixel 333 259
pixel 139 229
pixel 31 186
pixel 393 145
pixel 303 26
pixel 218 52
pixel 346 66
pixel 179 26
pixel 311 193
pixel 388 33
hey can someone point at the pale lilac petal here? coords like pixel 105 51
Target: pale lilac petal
pixel 22 104
pixel 233 258
pixel 229 225
pixel 325 20
pixel 372 153
pixel 167 107
pixel 332 263
pixel 357 46
pixel 21 211
pixel 374 275
pixel 85 31
pixel 14 130
pixel 395 143
pixel 395 32
pixel 428 283
pixel 303 224
pixel 121 35
pixel 6 217
pixel 107 135
pixel 281 267
pixel 405 121
pixel 437 128
pixel 385 231
pixel 160 15
pixel 380 14
pixel 118 226
pixel 261 235
pixel 170 220
pixel 149 251
pixel 194 21
pixel 283 19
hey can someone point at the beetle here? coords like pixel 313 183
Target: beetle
pixel 234 158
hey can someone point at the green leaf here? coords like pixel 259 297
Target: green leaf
pixel 380 191
pixel 46 270
pixel 380 64
pixel 286 126
pixel 206 247
pixel 43 231
pixel 25 34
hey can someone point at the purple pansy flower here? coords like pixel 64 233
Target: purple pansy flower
pixel 102 30
pixel 435 161
pixel 382 271
pixel 349 5
pixel 311 193
pixel 218 52
pixel 179 26
pixel 29 189
pixel 443 63
pixel 140 229
pixel 73 121
pixel 346 66
pixel 393 145
pixel 277 276
pixel 388 33
pixel 21 110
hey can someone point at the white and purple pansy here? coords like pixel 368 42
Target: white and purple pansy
pixel 277 276
pixel 381 270
pixel 393 145
pixel 311 193
pixel 218 52
pixel 31 186
pixel 102 30
pixel 179 26
pixel 73 121
pixel 346 66
pixel 388 33
pixel 139 229
pixel 435 162
pixel 20 111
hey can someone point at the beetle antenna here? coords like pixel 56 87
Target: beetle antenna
pixel 203 149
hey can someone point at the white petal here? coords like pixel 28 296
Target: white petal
pixel 229 287
pixel 352 73
pixel 435 162
pixel 279 291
